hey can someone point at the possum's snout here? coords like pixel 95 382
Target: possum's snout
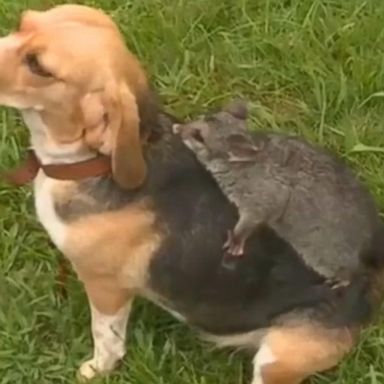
pixel 189 132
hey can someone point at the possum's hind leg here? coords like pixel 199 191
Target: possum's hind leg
pixel 236 239
pixel 238 236
pixel 269 208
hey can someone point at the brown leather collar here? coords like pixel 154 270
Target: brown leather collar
pixel 25 173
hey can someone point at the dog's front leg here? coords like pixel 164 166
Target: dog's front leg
pixel 110 309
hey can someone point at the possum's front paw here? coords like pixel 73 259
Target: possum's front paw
pixel 334 283
pixel 234 245
pixel 233 250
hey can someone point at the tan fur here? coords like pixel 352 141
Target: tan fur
pixel 111 251
pixel 68 13
pixel 301 351
pixel 80 110
pixel 116 244
pixel 105 294
pixel 63 191
pixel 91 106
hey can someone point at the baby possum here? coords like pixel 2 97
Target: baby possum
pixel 292 186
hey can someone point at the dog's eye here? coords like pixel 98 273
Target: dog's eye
pixel 32 62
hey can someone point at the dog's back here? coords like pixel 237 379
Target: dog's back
pixel 270 280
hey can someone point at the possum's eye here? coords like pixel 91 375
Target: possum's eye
pixel 198 136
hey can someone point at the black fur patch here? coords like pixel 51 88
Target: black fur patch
pixel 270 281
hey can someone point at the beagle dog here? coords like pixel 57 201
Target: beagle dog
pixel 155 226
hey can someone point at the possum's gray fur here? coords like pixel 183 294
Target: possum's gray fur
pixel 296 188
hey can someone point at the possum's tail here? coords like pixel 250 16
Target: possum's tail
pixel 344 306
pixel 358 302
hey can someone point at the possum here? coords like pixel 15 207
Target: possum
pixel 296 188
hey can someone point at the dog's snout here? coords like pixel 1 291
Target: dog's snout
pixel 10 42
pixel 9 47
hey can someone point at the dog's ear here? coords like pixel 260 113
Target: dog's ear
pixel 128 163
pixel 149 113
pixel 112 122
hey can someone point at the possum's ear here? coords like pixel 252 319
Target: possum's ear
pixel 176 129
pixel 237 108
pixel 241 148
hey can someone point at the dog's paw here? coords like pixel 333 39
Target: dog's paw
pixel 88 371
pixel 92 369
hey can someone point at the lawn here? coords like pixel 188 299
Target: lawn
pixel 308 66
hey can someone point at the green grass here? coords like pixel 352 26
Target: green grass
pixel 309 66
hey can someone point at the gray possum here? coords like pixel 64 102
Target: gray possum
pixel 296 188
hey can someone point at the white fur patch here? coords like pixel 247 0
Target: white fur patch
pixel 44 202
pixel 12 41
pixel 263 357
pixel 242 340
pixel 151 296
pixel 109 335
pixel 47 150
pixel 46 212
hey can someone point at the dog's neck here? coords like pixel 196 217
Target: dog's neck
pixel 160 150
pixel 52 154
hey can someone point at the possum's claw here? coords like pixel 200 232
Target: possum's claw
pixel 234 245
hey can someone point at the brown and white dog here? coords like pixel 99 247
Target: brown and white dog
pixel 155 228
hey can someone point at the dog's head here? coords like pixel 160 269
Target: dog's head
pixel 70 70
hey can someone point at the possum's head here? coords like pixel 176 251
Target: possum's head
pixel 209 136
